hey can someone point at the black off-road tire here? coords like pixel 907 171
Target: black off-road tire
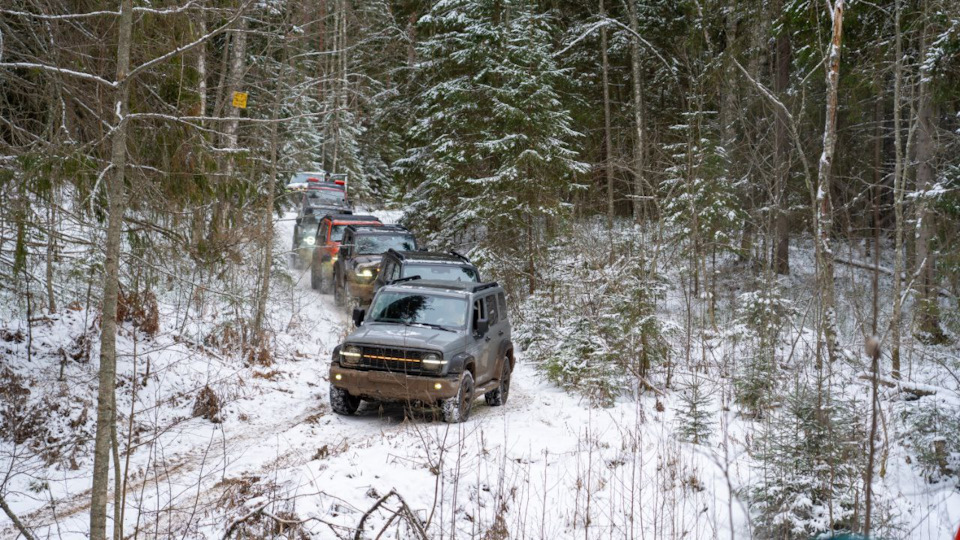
pixel 339 294
pixel 498 396
pixel 342 402
pixel 457 409
pixel 324 282
pixel 314 280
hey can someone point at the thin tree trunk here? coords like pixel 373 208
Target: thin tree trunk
pixel 268 210
pixel 108 326
pixel 237 65
pixel 877 179
pixel 898 195
pixel 51 248
pixel 781 257
pixel 824 208
pixel 638 187
pixel 873 349
pixel 927 312
pixel 607 135
pixel 202 61
pixel 15 520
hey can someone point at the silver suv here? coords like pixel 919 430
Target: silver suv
pixel 431 342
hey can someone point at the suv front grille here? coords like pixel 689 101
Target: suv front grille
pixel 391 359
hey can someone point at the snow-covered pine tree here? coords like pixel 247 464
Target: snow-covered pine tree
pixel 491 148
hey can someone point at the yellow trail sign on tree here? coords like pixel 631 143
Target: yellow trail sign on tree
pixel 240 100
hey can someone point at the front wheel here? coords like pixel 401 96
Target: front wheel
pixel 314 279
pixel 457 409
pixel 342 402
pixel 324 279
pixel 498 396
pixel 339 296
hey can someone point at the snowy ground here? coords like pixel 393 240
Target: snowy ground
pixel 546 465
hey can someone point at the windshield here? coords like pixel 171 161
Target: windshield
pixel 442 272
pixel 419 308
pixel 318 197
pixel 380 243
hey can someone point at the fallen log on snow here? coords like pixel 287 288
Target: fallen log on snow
pixel 918 390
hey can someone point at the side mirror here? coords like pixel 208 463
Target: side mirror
pixel 358 315
pixel 483 326
pixel 298 221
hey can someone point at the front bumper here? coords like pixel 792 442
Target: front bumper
pixel 390 386
pixel 305 253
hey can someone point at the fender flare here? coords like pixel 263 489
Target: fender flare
pixel 506 351
pixel 460 363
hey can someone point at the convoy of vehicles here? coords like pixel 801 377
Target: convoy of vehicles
pixel 327 246
pixel 434 334
pixel 358 260
pixel 440 343
pixel 317 198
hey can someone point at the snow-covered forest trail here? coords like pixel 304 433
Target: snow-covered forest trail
pixel 546 464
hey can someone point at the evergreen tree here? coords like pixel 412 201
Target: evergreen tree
pixel 491 140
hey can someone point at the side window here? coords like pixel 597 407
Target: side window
pixel 492 311
pixel 502 303
pixel 396 271
pixel 478 312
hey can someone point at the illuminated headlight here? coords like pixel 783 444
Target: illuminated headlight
pixel 350 355
pixel 432 362
pixel 309 240
pixel 365 273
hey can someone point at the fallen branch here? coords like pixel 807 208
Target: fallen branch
pixel 882 270
pixel 404 509
pixel 919 390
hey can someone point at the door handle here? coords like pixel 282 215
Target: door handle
pixel 500 333
pixel 486 338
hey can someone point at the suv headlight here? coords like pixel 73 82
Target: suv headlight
pixel 309 240
pixel 365 275
pixel 432 362
pixel 350 355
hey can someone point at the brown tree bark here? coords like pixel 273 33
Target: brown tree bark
pixel 238 62
pixel 607 131
pixel 781 81
pixel 898 196
pixel 927 314
pixel 638 183
pixel 111 269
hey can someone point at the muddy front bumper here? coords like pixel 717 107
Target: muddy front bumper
pixel 391 386
pixel 361 291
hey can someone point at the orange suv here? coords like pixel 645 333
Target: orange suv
pixel 329 233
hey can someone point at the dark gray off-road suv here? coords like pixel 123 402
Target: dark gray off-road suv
pixel 431 342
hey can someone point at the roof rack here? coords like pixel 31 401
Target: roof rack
pixel 352 217
pixel 383 228
pixel 459 255
pixel 403 279
pixel 485 286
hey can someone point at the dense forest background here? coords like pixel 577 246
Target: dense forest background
pixel 651 180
